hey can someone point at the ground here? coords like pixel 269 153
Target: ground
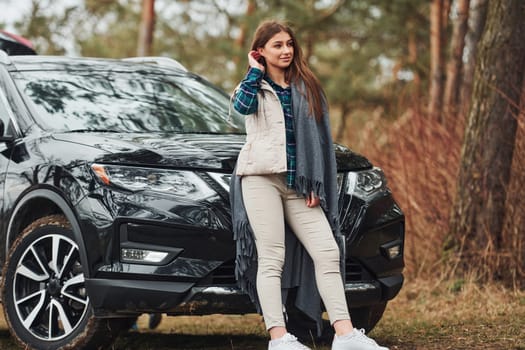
pixel 426 315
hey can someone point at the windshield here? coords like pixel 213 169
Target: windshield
pixel 127 102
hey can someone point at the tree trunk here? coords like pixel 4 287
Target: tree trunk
pixel 447 4
pixel 513 239
pixel 436 60
pixel 345 110
pixel 476 22
pixel 455 63
pixel 147 25
pixel 308 46
pixel 240 42
pixel 412 60
pixel 479 208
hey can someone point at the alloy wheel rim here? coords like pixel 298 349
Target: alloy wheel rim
pixel 49 291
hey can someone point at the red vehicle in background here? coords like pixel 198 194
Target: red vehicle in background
pixel 15 45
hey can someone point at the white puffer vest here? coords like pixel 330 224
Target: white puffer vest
pixel 265 149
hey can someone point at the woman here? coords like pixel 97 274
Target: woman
pixel 286 173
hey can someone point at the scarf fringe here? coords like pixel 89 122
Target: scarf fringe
pixel 246 260
pixel 305 186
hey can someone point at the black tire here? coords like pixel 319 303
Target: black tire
pixel 43 291
pixel 305 328
pixel 368 316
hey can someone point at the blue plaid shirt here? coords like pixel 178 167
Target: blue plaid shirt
pixel 245 102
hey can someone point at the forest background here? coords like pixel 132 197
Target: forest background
pixel 431 91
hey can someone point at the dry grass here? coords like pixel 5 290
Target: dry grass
pixel 421 160
pixel 455 315
pixel 239 325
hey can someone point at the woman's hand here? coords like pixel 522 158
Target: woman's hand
pixel 253 60
pixel 312 200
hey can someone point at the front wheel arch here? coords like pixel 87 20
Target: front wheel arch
pixel 15 228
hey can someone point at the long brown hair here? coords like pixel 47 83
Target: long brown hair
pixel 298 69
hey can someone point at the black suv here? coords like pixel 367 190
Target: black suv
pixel 114 202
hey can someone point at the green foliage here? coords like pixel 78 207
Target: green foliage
pixel 109 30
pixel 44 29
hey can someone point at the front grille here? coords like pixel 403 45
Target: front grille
pixel 354 271
pixel 224 274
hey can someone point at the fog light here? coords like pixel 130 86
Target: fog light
pixel 142 255
pixel 394 251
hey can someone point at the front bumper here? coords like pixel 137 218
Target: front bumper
pixel 179 298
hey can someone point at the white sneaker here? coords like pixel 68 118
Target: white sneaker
pixel 356 340
pixel 286 342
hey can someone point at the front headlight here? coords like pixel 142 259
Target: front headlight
pixel 366 183
pixel 135 179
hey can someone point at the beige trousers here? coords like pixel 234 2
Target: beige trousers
pixel 269 203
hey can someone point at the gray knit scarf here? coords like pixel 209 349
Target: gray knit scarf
pixel 316 172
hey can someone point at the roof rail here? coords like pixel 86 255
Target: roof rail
pixel 161 61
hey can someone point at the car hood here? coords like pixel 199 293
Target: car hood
pixel 195 151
